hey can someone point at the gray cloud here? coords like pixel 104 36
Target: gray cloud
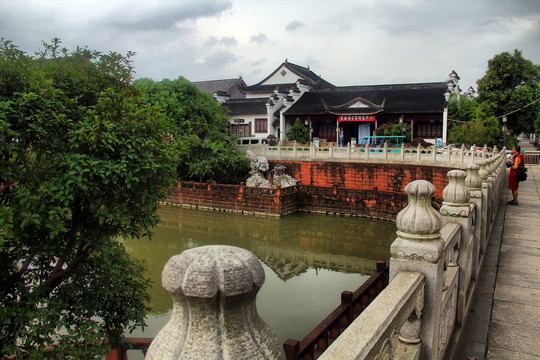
pixel 227 41
pixel 412 41
pixel 259 38
pixel 163 17
pixel 257 62
pixel 294 25
pixel 219 58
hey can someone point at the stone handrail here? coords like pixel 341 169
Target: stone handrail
pixel 352 304
pixel 446 248
pixel 405 154
pixel 391 323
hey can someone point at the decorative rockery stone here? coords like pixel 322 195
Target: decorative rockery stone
pixel 214 312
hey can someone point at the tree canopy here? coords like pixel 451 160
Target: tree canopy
pixel 511 82
pixel 200 131
pixel 472 123
pixel 84 161
pixel 298 132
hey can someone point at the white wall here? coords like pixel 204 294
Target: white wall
pixel 289 77
pixel 250 119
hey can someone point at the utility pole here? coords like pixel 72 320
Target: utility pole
pixel 504 119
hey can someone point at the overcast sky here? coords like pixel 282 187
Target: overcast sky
pixel 346 42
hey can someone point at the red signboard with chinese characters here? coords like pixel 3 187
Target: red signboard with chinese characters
pixel 356 118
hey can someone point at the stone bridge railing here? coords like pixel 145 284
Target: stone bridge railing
pixel 434 266
pixel 407 154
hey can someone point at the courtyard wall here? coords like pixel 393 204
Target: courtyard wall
pixel 373 190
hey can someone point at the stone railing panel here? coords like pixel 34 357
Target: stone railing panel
pixel 330 152
pixel 457 209
pixel 390 326
pixel 451 235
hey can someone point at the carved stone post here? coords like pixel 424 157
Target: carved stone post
pixel 214 314
pixel 498 183
pixel 418 247
pixel 492 169
pixel 492 191
pixel 501 159
pixel 482 172
pixel 456 209
pixel 474 183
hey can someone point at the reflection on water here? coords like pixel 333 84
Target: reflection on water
pixel 308 260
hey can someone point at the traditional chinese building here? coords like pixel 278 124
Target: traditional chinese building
pixel 337 114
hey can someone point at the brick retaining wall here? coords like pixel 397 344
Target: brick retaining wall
pixel 359 189
pixel 364 203
pixel 236 198
pixel 385 177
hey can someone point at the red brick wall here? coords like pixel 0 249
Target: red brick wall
pixel 365 176
pixel 236 197
pixel 363 189
pixel 364 203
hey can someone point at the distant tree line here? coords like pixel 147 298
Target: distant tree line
pixel 511 83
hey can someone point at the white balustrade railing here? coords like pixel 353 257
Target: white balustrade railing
pixel 294 151
pixel 442 249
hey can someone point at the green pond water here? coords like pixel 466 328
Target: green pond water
pixel 308 259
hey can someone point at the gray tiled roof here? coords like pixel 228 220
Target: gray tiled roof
pixel 246 106
pixel 399 98
pixel 213 86
pixel 304 73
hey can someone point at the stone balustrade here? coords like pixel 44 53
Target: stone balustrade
pixel 434 266
pixel 404 154
pixel 401 307
pixel 443 250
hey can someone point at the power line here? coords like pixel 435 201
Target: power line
pixel 521 108
pixel 459 121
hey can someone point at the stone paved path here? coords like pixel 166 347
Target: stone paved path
pixel 504 318
pixel 514 329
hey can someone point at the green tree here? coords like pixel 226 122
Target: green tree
pixel 84 162
pixel 298 132
pixel 462 108
pixel 511 82
pixel 215 160
pixel 200 131
pixel 473 123
pixel 392 129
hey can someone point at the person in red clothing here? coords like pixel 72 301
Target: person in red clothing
pixel 513 184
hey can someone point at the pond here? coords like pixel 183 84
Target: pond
pixel 308 259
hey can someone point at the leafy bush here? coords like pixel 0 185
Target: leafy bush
pixel 298 132
pixel 84 161
pixel 199 130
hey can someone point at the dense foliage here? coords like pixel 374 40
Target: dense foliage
pixel 200 131
pixel 298 132
pixel 83 162
pixel 511 82
pixel 473 123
